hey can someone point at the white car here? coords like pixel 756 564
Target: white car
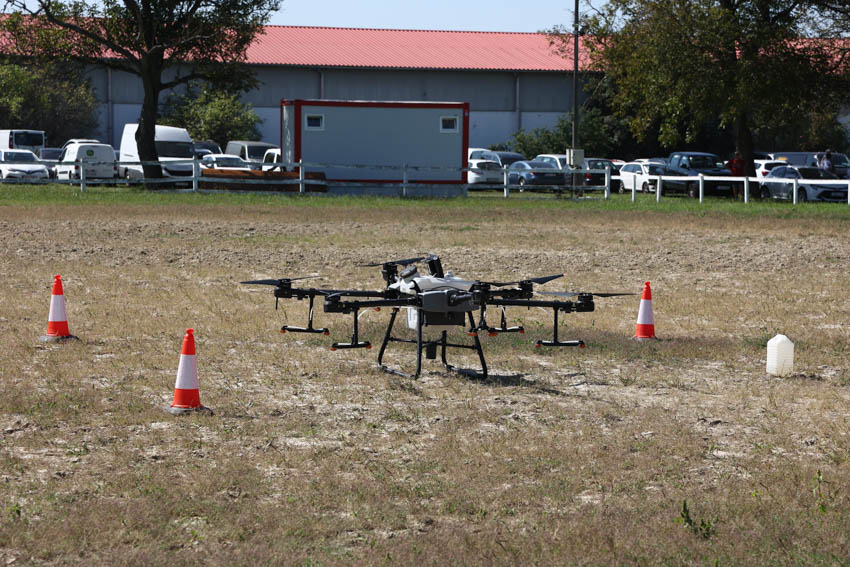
pixel 642 175
pixel 226 162
pixel 763 166
pixel 485 171
pixel 21 164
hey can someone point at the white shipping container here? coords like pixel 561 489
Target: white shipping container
pixel 363 139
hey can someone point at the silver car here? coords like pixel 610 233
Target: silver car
pixel 778 184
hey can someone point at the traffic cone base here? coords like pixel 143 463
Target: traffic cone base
pixel 645 328
pixel 186 411
pixel 57 320
pixel 187 398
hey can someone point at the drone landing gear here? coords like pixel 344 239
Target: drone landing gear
pixel 309 328
pixel 555 342
pixel 355 343
pixel 504 326
pixel 430 348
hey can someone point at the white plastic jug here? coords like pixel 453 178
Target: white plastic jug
pixel 780 356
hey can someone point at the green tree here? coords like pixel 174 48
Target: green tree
pixel 210 114
pixel 55 98
pixel 163 42
pixel 688 65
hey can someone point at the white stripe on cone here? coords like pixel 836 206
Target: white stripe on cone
pixel 57 309
pixel 645 316
pixel 187 373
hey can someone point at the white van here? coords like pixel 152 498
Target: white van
pixel 173 146
pixel 98 159
pixel 32 140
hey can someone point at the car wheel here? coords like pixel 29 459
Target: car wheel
pixel 622 188
pixel 802 196
pixel 693 190
pixel 522 184
pixel 645 187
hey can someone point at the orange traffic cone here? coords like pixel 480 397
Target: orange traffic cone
pixel 645 321
pixel 57 320
pixel 187 398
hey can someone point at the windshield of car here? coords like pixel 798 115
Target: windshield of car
pixel 703 162
pixel 257 152
pixel 540 165
pixel 51 153
pixel 19 157
pixel 816 173
pixel 229 162
pixel 508 158
pixel 174 149
pixel 29 139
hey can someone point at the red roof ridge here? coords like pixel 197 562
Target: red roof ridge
pixel 403 30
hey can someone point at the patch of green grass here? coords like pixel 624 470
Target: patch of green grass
pixel 35 195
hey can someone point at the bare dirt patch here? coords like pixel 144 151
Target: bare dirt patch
pixel 313 457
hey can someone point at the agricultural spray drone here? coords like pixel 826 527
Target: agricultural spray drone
pixel 435 303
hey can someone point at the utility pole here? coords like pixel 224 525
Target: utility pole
pixel 575 77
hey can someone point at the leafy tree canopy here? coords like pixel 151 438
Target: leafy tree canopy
pixel 166 43
pixel 210 114
pixel 55 98
pixel 685 65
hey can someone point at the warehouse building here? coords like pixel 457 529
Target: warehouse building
pixel 511 81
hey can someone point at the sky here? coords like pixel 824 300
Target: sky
pixel 490 15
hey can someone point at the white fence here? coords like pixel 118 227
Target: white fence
pixel 192 182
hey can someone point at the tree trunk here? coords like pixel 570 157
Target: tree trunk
pixel 743 144
pixel 145 134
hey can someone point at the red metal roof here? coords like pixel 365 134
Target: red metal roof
pixel 406 49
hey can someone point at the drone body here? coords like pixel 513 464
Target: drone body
pixel 438 302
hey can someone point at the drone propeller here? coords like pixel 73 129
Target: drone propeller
pixel 403 262
pixel 575 293
pixel 541 280
pixel 280 281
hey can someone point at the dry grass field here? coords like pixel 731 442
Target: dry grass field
pixel 669 452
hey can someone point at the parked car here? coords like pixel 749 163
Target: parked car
pixel 597 179
pixel 250 151
pixel 763 166
pixel 484 171
pixel 808 189
pixel 693 163
pixel 50 157
pixel 271 157
pixel 644 176
pixel 21 164
pixel 533 172
pixel 208 145
pixel 225 161
pixel 201 152
pixel 482 153
pixel 98 160
pixel 508 158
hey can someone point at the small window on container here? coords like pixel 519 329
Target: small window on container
pixel 448 124
pixel 315 121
